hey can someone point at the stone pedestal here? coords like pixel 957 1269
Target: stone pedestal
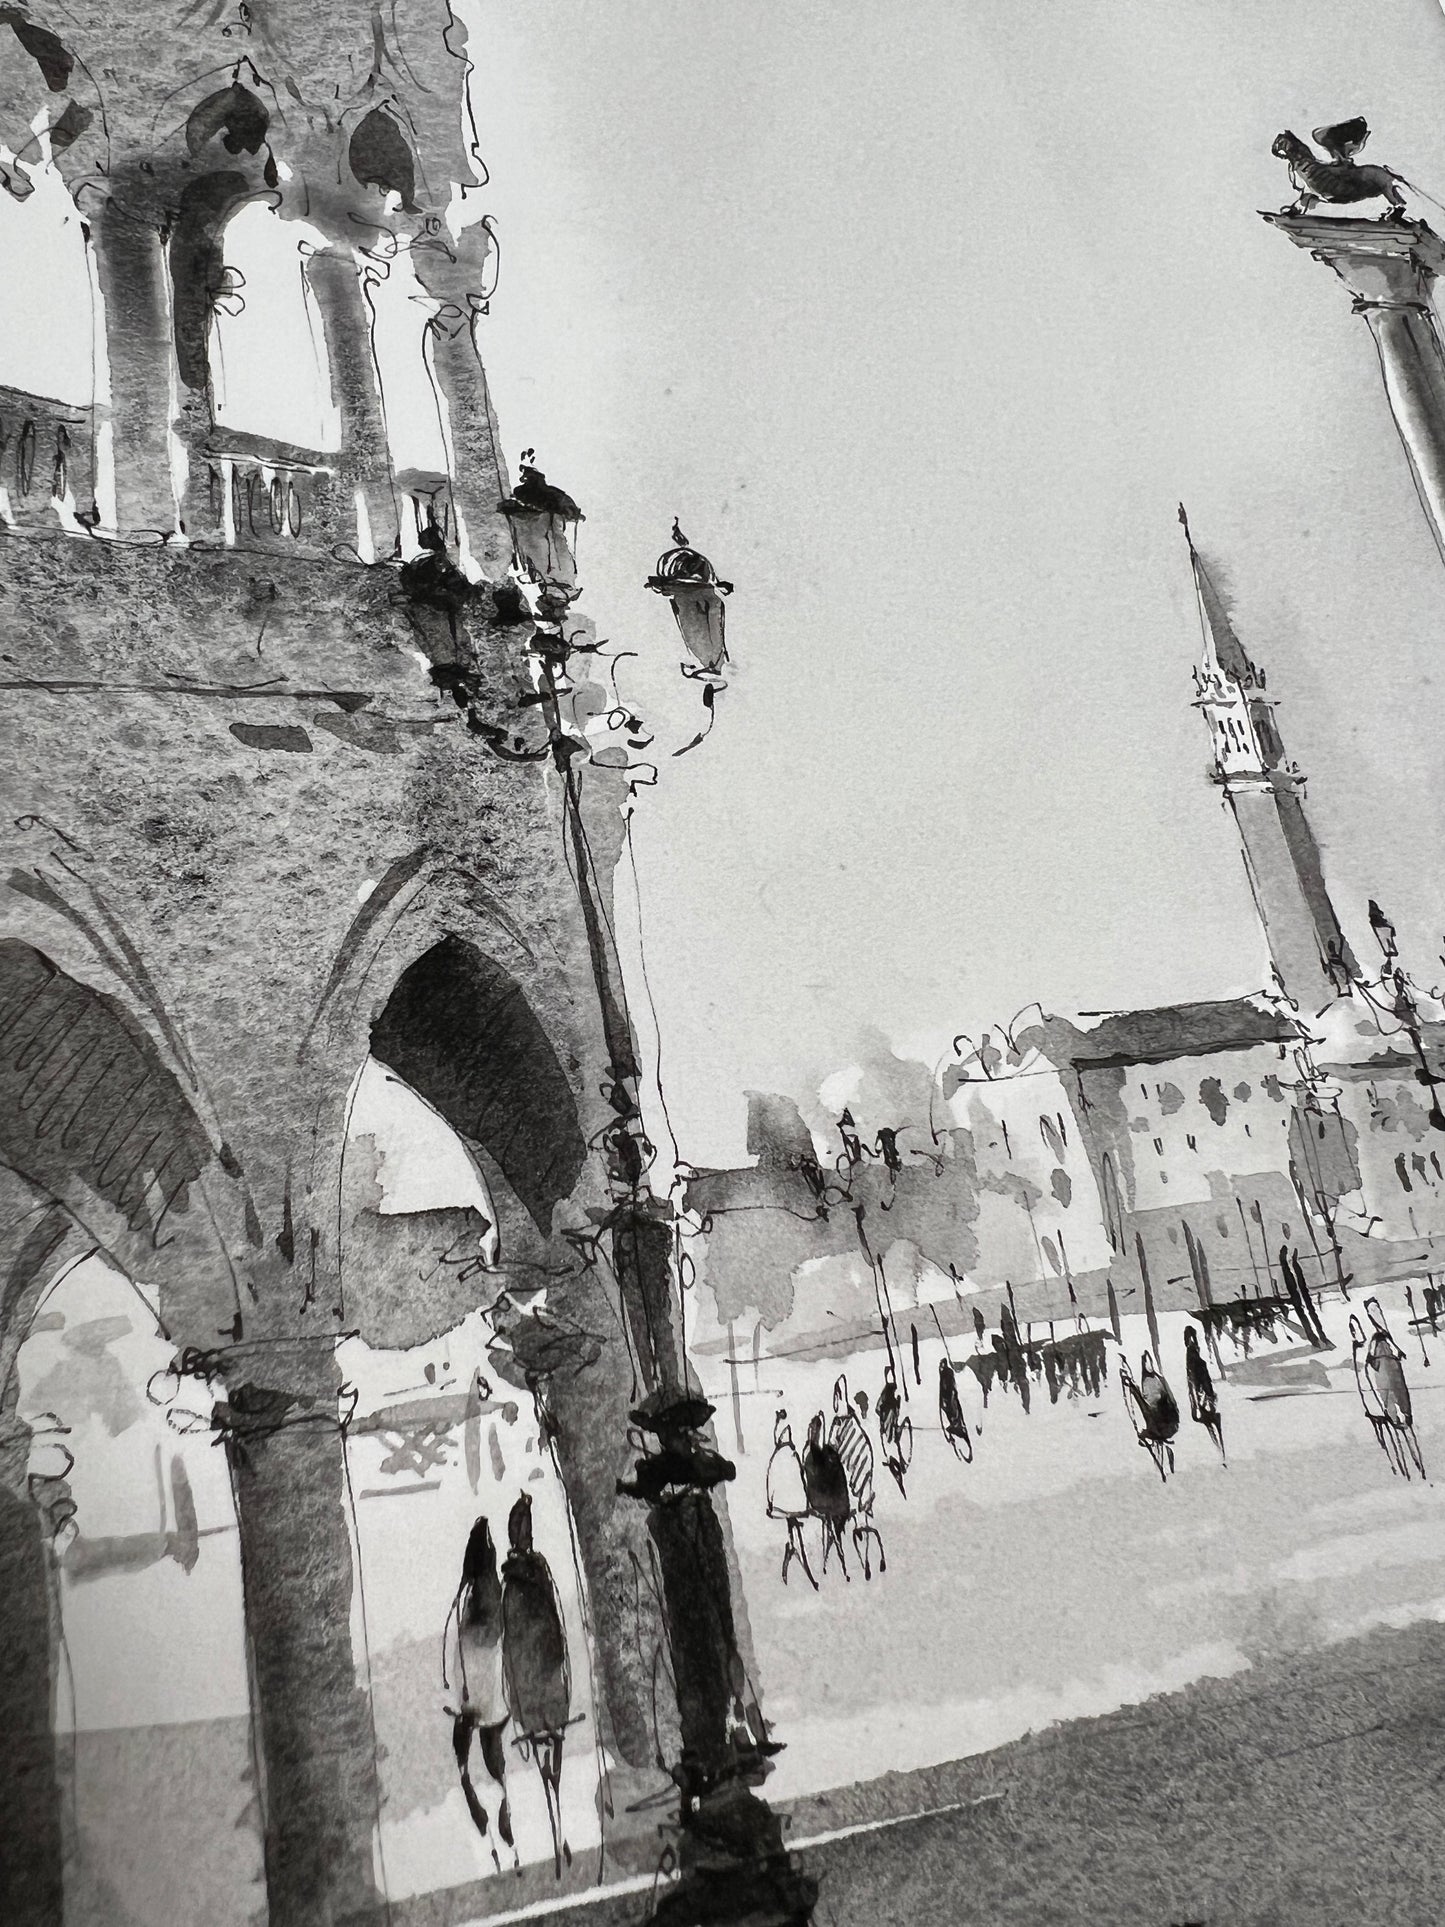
pixel 1390 268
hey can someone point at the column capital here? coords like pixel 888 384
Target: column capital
pixel 1390 268
pixel 1384 264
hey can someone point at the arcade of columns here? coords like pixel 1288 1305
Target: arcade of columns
pixel 187 983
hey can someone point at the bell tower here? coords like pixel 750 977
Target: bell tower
pixel 1265 791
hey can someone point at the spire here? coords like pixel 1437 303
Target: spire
pixel 1228 688
pixel 1224 654
pixel 1311 957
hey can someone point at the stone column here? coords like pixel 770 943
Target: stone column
pixel 479 473
pixel 131 269
pixel 1390 267
pixel 31 1867
pixel 32 1830
pixel 285 1441
pixel 365 461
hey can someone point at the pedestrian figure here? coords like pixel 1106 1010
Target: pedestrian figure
pixel 476 1644
pixel 1154 1409
pixel 1203 1399
pixel 787 1499
pixel 1416 1323
pixel 534 1653
pixel 853 1447
pixel 826 1484
pixel 1385 1371
pixel 950 1412
pixel 895 1432
pixel 1300 1296
pixel 1369 1396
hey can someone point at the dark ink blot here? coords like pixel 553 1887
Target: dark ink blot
pixel 285 736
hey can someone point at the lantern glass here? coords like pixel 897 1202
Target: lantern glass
pixel 543 550
pixel 700 615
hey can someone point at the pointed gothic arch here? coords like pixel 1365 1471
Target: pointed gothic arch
pixel 109 1489
pixel 459 1030
pixel 89 1109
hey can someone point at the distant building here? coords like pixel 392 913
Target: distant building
pixel 1159 1159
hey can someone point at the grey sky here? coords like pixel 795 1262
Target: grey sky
pixel 924 318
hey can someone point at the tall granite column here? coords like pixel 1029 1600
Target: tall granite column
pixel 365 463
pixel 1390 268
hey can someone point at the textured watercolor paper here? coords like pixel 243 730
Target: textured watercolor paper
pixel 722 1014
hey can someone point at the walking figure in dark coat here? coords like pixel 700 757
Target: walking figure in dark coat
pixel 895 1432
pixel 826 1484
pixel 1385 1373
pixel 1203 1399
pixel 1154 1410
pixel 476 1645
pixel 534 1652
pixel 950 1412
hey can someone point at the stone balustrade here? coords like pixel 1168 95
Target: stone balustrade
pixel 266 494
pixel 47 461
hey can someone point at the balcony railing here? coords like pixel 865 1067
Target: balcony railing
pixel 47 462
pixel 247 491
pixel 424 501
pixel 266 494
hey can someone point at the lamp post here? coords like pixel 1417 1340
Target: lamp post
pixel 730 1859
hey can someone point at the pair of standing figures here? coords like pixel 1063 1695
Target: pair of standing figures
pixel 506 1639
pixel 831 1482
pixel 1155 1410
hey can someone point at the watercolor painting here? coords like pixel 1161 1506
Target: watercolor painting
pixel 724 857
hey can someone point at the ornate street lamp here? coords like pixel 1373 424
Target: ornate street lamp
pixel 730 1857
pixel 692 585
pixel 540 516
